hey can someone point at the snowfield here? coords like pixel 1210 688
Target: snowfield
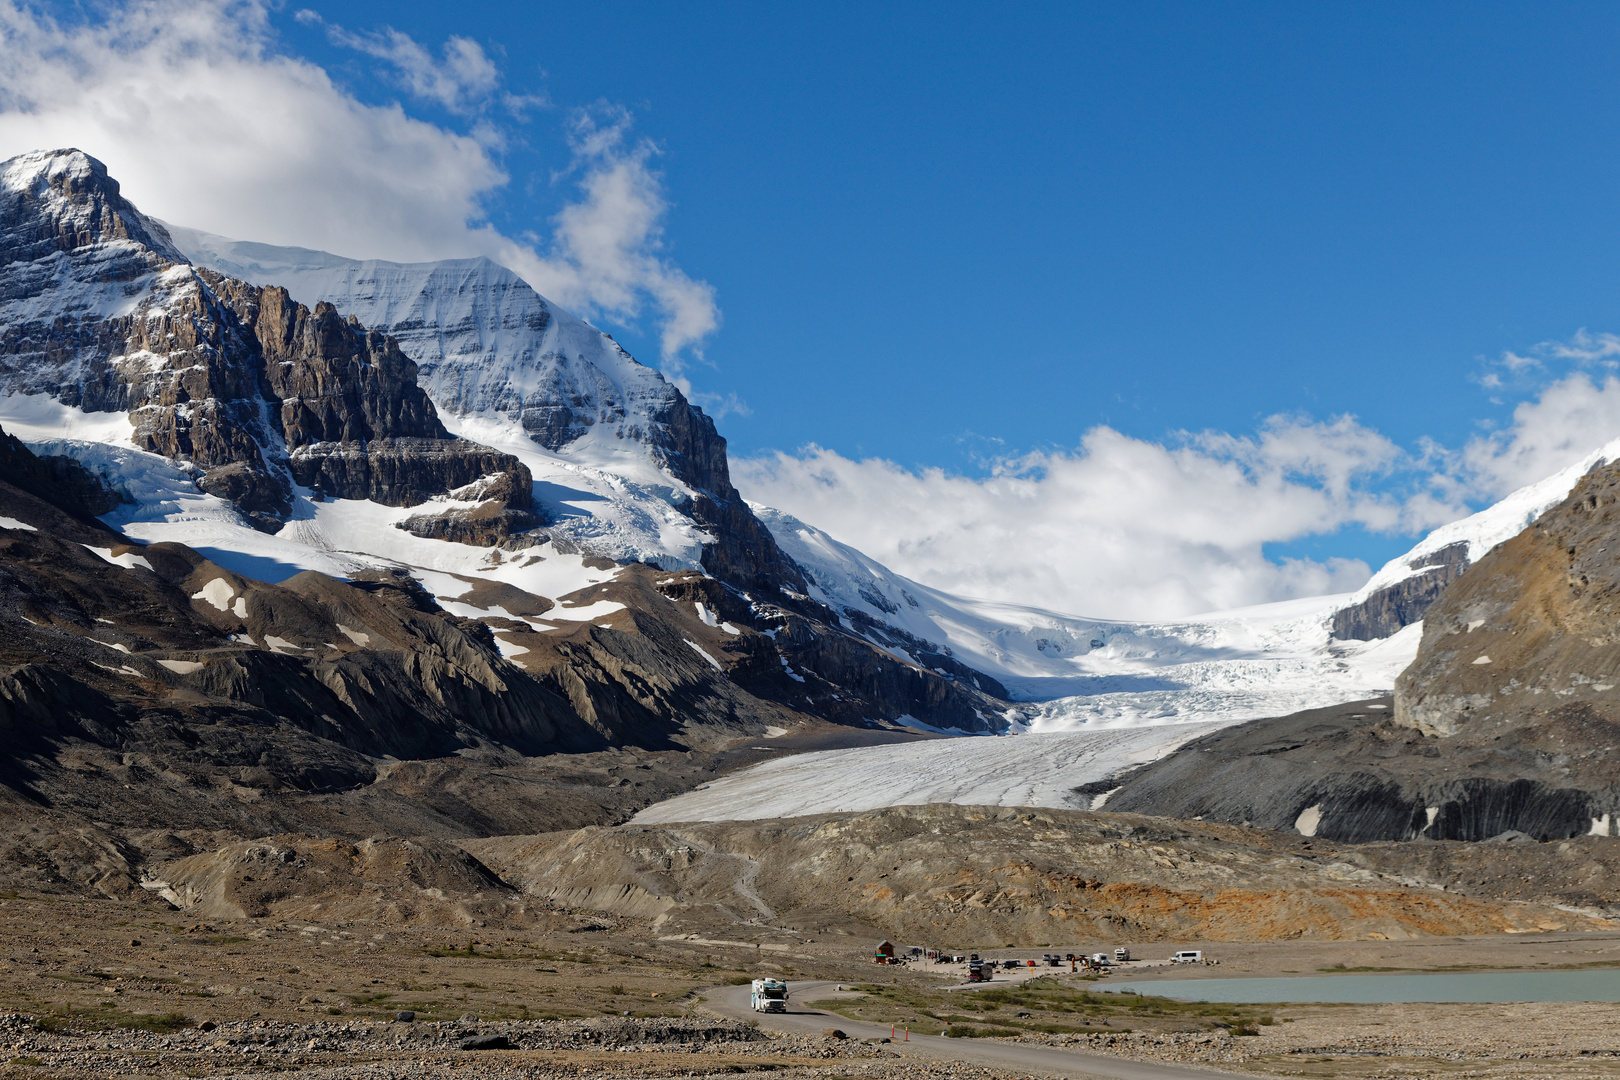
pixel 1068 672
pixel 1025 770
pixel 337 537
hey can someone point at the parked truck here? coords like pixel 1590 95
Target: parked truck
pixel 769 996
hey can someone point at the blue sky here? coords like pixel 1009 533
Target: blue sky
pixel 950 235
pixel 938 231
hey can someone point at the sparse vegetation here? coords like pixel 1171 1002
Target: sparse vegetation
pixel 1044 1005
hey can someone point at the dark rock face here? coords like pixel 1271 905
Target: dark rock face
pixel 1351 774
pixel 497 516
pixel 927 654
pixel 744 553
pixel 814 666
pixel 1404 602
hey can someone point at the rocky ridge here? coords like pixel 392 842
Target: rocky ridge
pixel 491 349
pixel 99 310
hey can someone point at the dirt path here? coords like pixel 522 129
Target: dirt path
pixel 732 1001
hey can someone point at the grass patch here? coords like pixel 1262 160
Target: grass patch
pixel 1361 967
pixel 112 1019
pixel 1047 1005
pixel 377 999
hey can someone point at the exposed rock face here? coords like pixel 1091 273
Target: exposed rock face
pixel 487 513
pixel 489 346
pixel 1404 602
pixel 1529 633
pixel 805 661
pixel 99 310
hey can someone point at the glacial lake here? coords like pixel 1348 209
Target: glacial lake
pixel 1490 986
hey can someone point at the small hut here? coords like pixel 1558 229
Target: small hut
pixel 884 953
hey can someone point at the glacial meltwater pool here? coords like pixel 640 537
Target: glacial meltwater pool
pixel 1491 986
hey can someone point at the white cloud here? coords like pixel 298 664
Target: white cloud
pixel 1587 346
pixel 460 81
pixel 605 255
pixel 207 125
pixel 1568 420
pixel 1119 527
pixel 1126 528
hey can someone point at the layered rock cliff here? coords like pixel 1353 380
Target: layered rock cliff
pixel 1404 602
pixel 100 311
pixel 492 350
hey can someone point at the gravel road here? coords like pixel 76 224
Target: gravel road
pixel 732 1002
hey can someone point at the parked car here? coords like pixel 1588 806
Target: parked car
pixel 1188 956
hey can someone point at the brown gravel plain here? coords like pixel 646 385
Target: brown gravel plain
pixel 93 988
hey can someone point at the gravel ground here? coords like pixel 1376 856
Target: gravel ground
pixel 575 1049
pixel 1506 1041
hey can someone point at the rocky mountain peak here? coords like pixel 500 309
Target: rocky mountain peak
pixel 255 391
pixel 65 200
pixel 492 352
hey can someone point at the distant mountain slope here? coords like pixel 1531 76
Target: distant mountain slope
pixel 1077 672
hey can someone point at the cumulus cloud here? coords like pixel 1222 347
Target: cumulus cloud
pixel 206 124
pixel 1119 527
pixel 1568 420
pixel 1126 528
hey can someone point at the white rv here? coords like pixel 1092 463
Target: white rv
pixel 769 996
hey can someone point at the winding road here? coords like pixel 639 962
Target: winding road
pixel 732 1001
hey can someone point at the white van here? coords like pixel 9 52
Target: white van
pixel 768 996
pixel 1188 956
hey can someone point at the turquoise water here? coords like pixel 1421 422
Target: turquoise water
pixel 1493 986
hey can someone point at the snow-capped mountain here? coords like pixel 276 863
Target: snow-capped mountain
pixel 272 438
pixel 625 466
pixel 506 384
